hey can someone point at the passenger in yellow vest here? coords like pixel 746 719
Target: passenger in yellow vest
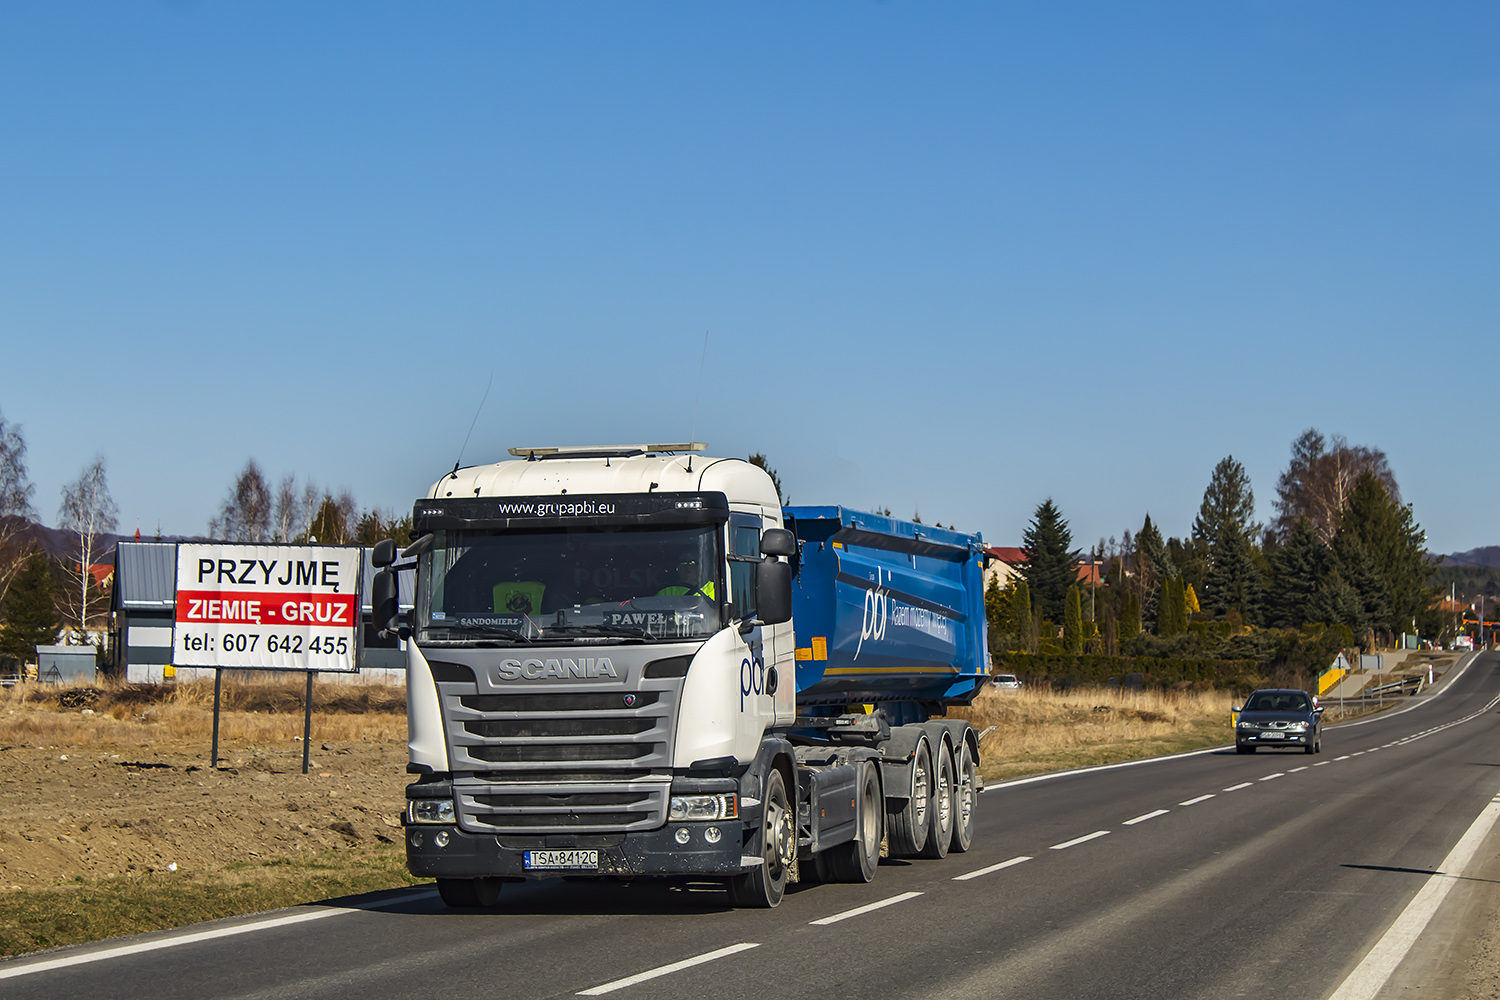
pixel 688 585
pixel 523 597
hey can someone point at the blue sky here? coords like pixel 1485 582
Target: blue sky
pixel 948 257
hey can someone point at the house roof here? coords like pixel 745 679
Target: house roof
pixel 1011 556
pixel 145 575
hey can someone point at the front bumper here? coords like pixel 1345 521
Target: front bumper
pixel 1282 739
pixel 643 853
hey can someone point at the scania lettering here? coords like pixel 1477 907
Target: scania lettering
pixel 634 662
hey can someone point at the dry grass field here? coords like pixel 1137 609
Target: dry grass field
pixel 1039 730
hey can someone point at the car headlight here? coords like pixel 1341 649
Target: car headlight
pixel 429 811
pixel 705 807
pixel 1247 725
pixel 1297 727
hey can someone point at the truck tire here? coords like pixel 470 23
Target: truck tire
pixel 469 893
pixel 966 802
pixel 857 860
pixel 906 827
pixel 763 886
pixel 940 816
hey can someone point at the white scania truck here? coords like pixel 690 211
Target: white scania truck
pixel 633 661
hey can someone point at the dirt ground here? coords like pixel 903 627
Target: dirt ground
pixel 132 808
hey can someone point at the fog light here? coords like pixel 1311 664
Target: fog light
pixel 682 836
pixel 712 835
pixel 416 838
pixel 441 838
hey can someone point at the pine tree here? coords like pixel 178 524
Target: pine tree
pixel 1130 617
pixel 1073 621
pixel 30 611
pixel 1358 571
pixel 1234 582
pixel 1296 568
pixel 1169 608
pixel 1020 613
pixel 1334 602
pixel 1229 502
pixel 1395 544
pixel 1051 565
pixel 1153 568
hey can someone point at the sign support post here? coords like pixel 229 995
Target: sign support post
pixel 307 722
pixel 213 762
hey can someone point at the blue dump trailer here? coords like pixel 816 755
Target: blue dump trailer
pixel 633 661
pixel 888 613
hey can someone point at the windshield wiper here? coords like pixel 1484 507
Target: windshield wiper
pixel 492 630
pixel 600 629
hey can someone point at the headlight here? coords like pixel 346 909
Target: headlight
pixel 429 811
pixel 1247 725
pixel 690 807
pixel 1297 727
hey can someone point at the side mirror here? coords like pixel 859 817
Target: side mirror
pixel 1237 710
pixel 383 554
pixel 383 606
pixel 778 542
pixel 773 596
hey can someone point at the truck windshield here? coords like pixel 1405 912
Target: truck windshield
pixel 562 584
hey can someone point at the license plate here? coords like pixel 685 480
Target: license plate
pixel 571 860
pixel 1272 736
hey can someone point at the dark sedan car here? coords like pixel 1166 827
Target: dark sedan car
pixel 1279 717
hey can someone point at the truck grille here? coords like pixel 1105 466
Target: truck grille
pixel 561 762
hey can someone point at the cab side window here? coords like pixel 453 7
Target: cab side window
pixel 744 562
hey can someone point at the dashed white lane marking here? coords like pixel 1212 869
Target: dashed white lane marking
pixel 194 938
pixel 1345 757
pixel 864 909
pixel 1145 816
pixel 1235 788
pixel 1304 767
pixel 1193 802
pixel 1371 974
pixel 1278 774
pixel 1359 753
pixel 666 970
pixel 991 868
pixel 1322 763
pixel 1080 840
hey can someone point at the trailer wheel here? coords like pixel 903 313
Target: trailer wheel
pixel 762 886
pixel 857 860
pixel 966 802
pixel 469 893
pixel 944 795
pixel 907 826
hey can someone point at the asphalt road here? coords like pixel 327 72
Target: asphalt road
pixel 1211 875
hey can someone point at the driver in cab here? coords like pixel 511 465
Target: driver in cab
pixel 688 580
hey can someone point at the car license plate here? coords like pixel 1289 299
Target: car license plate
pixel 571 860
pixel 1271 736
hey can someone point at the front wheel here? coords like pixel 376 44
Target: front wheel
pixel 763 886
pixel 1244 749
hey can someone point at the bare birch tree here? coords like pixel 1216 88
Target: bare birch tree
pixel 16 514
pixel 89 511
pixel 1320 479
pixel 245 515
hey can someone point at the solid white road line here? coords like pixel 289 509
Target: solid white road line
pixel 197 936
pixel 666 970
pixel 858 910
pixel 1145 816
pixel 991 868
pixel 1080 840
pixel 1193 802
pixel 1235 788
pixel 1368 978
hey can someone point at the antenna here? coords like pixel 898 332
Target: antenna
pixel 693 436
pixel 454 473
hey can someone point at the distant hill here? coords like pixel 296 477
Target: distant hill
pixel 1486 555
pixel 63 545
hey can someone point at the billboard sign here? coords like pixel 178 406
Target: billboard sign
pixel 267 607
